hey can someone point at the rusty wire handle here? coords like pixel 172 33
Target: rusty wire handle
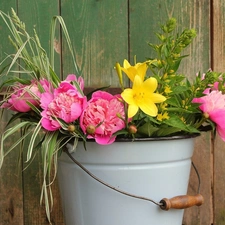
pixel 181 202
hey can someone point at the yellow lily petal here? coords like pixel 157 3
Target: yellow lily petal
pixel 132 110
pixel 126 64
pixel 150 84
pixel 128 96
pixel 138 83
pixel 157 98
pixel 142 69
pixel 149 108
pixel 131 71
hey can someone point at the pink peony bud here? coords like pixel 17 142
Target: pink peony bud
pixel 71 128
pixel 90 129
pixel 132 129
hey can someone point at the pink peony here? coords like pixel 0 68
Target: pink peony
pixel 65 103
pixel 79 80
pixel 26 93
pixel 213 106
pixel 214 87
pixel 100 118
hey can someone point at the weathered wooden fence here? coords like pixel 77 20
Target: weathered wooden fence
pixel 104 32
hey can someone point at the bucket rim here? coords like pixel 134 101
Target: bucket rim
pixel 165 138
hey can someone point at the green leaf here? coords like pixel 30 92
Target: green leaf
pixel 147 129
pixel 34 108
pixel 33 138
pixel 49 146
pixel 166 131
pixel 69 43
pixel 8 133
pixel 176 122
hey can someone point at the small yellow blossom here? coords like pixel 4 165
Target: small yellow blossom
pixel 164 106
pixel 163 116
pixel 159 62
pixel 183 102
pixel 165 75
pixel 167 90
pixel 183 119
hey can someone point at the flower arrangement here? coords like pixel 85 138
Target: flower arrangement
pixel 160 101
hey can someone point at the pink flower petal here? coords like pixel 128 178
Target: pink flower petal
pixel 104 140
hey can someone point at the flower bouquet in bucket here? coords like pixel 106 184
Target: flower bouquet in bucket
pixel 54 114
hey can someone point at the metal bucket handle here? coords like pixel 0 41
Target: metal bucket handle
pixel 177 202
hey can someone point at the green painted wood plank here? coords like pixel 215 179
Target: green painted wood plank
pixel 147 15
pixel 219 149
pixel 202 159
pixel 11 194
pixel 218 35
pixel 99 33
pixel 38 15
pixel 6 48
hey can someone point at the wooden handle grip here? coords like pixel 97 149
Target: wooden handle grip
pixel 181 202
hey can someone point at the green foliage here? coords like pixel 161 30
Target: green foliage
pixel 177 115
pixel 32 62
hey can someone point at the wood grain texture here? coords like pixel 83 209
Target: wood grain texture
pixel 146 16
pixel 5 47
pixel 99 33
pixel 39 17
pixel 34 213
pixel 218 41
pixel 203 160
pixel 11 192
pixel 218 35
pixel 219 182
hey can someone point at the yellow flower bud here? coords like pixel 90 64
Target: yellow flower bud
pixel 171 71
pixel 119 73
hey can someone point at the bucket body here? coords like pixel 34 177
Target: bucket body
pixel 153 169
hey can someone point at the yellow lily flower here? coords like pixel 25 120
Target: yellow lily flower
pixel 131 71
pixel 142 96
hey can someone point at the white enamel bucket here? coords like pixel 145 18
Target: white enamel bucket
pixel 151 168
